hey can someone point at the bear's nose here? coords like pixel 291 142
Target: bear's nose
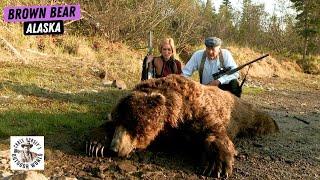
pixel 113 147
pixel 112 153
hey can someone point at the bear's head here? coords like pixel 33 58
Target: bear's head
pixel 139 117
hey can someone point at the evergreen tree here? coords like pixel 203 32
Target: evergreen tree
pixel 208 18
pixel 208 9
pixel 227 3
pixel 224 27
pixel 250 28
pixel 308 24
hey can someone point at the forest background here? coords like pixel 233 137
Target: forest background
pixel 288 34
pixel 294 35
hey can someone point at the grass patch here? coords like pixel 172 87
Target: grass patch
pixel 43 124
pixel 253 90
pixel 51 103
pixel 56 95
pixel 57 116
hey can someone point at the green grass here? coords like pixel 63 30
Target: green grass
pixel 57 116
pixel 51 103
pixel 253 90
pixel 57 94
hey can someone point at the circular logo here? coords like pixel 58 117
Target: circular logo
pixel 27 152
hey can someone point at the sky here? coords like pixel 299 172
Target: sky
pixel 269 4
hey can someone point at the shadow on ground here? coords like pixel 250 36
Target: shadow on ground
pixel 62 128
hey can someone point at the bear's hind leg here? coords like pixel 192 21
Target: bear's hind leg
pixel 220 154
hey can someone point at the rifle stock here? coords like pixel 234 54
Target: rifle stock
pixel 231 71
pixel 144 74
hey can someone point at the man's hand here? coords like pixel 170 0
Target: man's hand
pixel 214 83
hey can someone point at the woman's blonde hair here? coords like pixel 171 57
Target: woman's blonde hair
pixel 170 42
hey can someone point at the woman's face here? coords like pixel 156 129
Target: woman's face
pixel 166 51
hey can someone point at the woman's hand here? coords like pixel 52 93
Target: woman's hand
pixel 149 59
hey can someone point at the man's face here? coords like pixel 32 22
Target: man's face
pixel 212 52
pixel 26 148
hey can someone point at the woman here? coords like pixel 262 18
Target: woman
pixel 165 64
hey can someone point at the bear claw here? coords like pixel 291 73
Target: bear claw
pixel 216 170
pixel 94 149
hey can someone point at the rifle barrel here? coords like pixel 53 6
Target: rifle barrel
pixel 150 43
pixel 246 64
pixel 144 74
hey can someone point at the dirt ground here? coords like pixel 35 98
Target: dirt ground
pixel 293 153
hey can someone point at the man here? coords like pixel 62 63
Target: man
pixel 208 61
pixel 26 155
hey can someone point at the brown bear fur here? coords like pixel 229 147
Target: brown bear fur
pixel 173 101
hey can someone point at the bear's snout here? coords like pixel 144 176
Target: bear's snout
pixel 122 143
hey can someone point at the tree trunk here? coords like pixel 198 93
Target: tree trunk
pixel 305 49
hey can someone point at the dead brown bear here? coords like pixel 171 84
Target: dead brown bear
pixel 174 101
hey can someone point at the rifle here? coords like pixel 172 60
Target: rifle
pixel 144 74
pixel 228 70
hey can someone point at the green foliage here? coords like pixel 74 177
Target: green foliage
pixel 308 25
pixel 250 29
pixel 227 3
pixel 310 65
pixel 223 23
pixel 209 11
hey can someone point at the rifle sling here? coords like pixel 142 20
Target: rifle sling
pixel 203 59
pixel 153 69
pixel 221 59
pixel 245 78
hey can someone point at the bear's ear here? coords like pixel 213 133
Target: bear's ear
pixel 155 99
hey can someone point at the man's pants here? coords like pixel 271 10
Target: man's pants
pixel 232 87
